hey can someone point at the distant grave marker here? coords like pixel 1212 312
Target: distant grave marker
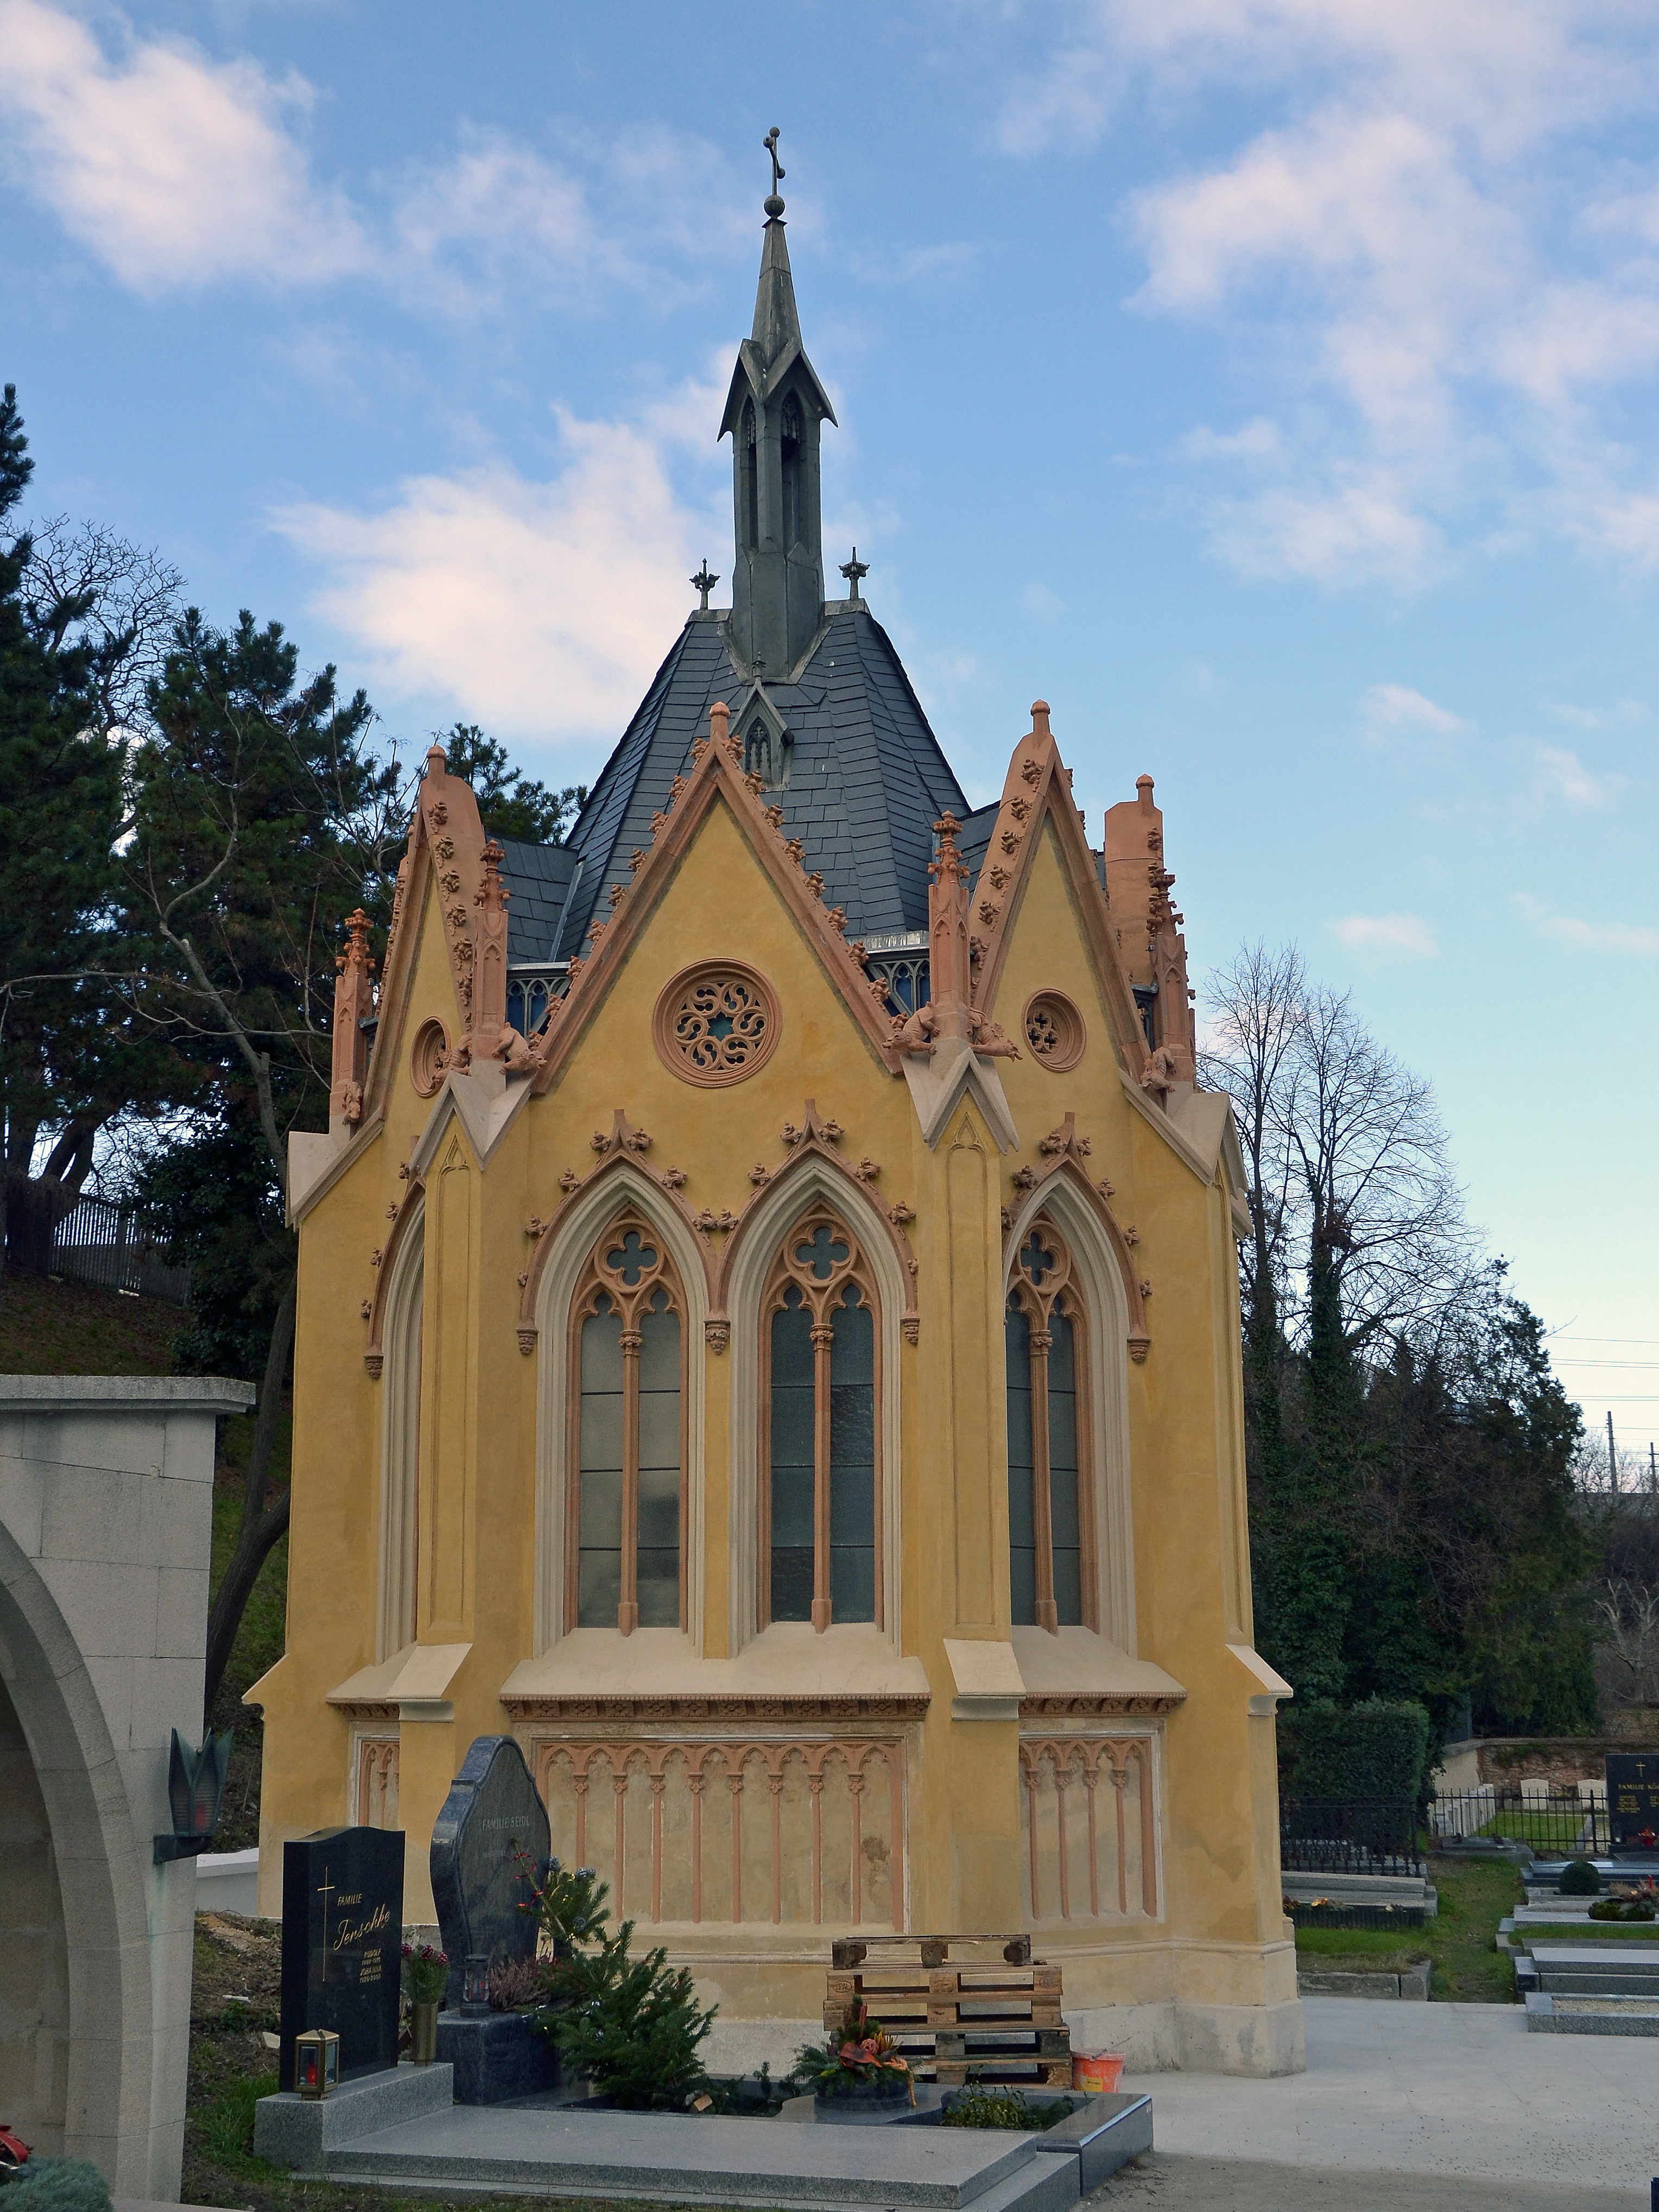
pixel 342 1914
pixel 1633 1799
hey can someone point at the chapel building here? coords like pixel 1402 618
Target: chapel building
pixel 768 1339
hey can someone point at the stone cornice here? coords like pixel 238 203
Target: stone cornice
pixel 703 1708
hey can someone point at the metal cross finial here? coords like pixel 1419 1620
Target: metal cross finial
pixel 853 570
pixel 774 204
pixel 705 583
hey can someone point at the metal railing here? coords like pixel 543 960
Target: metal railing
pixel 1552 1822
pixel 1347 1835
pixel 98 1241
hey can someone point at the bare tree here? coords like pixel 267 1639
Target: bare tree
pixel 1252 1040
pixel 1346 1155
pixel 84 586
pixel 1631 1610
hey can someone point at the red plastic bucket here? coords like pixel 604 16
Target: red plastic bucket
pixel 1098 2071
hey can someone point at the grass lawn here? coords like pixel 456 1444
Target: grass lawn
pixel 1463 1941
pixel 70 1328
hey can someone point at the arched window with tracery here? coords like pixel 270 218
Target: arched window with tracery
pixel 1051 1540
pixel 820 1560
pixel 625 1499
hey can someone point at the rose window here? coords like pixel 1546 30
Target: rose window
pixel 717 1024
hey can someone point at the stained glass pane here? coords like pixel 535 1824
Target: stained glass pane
pixel 656 1564
pixel 1022 1532
pixel 599 1573
pixel 1063 1472
pixel 792 1459
pixel 853 1460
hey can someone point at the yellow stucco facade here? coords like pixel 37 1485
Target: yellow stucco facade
pixel 752 1786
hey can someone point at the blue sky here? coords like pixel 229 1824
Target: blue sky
pixel 1268 384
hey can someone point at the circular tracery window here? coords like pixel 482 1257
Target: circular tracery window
pixel 716 1022
pixel 1055 1031
pixel 428 1058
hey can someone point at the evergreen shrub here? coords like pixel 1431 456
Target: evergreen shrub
pixel 1377 1749
pixel 57 2185
pixel 1580 1879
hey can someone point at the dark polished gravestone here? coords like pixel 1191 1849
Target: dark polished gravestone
pixel 489 1844
pixel 342 1914
pixel 1633 1800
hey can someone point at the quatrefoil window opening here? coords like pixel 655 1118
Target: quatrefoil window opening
pixel 1037 1260
pixel 822 1252
pixel 716 1022
pixel 631 1257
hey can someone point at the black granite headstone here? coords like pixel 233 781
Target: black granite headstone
pixel 343 1935
pixel 492 1822
pixel 1633 1800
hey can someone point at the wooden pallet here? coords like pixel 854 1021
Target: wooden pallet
pixel 995 2021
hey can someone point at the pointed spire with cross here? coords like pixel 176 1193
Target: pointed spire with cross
pixel 705 583
pixel 853 570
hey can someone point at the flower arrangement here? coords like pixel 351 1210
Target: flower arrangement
pixel 864 2056
pixel 426 1973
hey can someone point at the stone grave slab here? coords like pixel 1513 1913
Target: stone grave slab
pixel 342 1914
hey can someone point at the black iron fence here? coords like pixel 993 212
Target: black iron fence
pixel 100 1241
pixel 1555 1824
pixel 1347 1835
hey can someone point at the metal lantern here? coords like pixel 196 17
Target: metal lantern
pixel 475 1984
pixel 196 1786
pixel 316 2061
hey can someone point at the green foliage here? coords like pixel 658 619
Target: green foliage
pixel 1614 1908
pixel 978 2106
pixel 510 804
pixel 426 1973
pixel 211 1198
pixel 1579 1878
pixel 224 2128
pixel 57 2184
pixel 1377 1749
pixel 632 2026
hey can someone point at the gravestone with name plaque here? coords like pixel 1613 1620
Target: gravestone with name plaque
pixel 490 1840
pixel 489 1844
pixel 342 1912
pixel 1633 1800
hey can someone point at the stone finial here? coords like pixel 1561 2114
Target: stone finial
pixel 1040 718
pixel 705 583
pixel 1143 793
pixel 353 1003
pixel 855 570
pixel 720 720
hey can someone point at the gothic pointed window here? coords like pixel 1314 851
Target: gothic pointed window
pixel 1053 1582
pixel 748 479
pixel 625 1521
pixel 792 437
pixel 819 1557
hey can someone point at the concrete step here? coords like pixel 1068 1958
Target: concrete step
pixel 1550 2015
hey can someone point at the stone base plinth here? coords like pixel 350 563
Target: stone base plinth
pixel 300 2131
pixel 496 2056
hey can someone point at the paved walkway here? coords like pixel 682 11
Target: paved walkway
pixel 1405 2089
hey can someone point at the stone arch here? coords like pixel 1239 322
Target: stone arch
pixel 1076 1209
pixel 811 1173
pixel 561 1257
pixel 104 1887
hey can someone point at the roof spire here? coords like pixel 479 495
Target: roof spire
pixel 773 410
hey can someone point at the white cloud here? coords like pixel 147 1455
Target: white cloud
pixel 1589 936
pixel 173 169
pixel 1255 440
pixel 177 170
pixel 1564 776
pixel 539 608
pixel 1396 706
pixel 1386 933
pixel 1429 235
pixel 1038 599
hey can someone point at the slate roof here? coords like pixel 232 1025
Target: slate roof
pixel 866 777
pixel 537 880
